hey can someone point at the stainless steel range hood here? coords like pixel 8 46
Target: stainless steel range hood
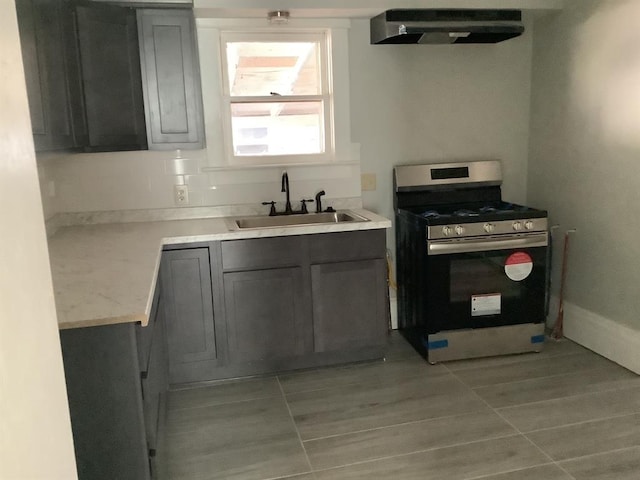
pixel 438 26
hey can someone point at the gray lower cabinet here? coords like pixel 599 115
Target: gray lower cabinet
pixel 191 326
pixel 349 302
pixel 116 378
pixel 266 313
pixel 170 79
pixel 279 303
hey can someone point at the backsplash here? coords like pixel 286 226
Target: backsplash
pixel 145 180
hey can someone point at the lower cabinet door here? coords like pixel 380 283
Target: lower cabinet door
pixel 188 302
pixel 266 311
pixel 349 304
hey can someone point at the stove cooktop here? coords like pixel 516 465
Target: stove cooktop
pixel 475 212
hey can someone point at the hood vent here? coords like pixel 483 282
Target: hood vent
pixel 438 26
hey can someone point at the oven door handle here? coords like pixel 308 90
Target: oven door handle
pixel 483 244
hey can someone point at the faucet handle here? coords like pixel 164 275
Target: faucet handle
pixel 304 205
pixel 272 210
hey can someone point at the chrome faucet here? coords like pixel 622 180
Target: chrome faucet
pixel 285 189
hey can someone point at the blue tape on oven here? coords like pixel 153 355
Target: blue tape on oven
pixel 437 344
pixel 537 339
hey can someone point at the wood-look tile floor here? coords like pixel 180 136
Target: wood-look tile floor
pixel 565 413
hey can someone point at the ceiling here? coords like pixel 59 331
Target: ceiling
pixel 354 8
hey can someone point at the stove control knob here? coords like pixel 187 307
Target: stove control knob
pixel 489 227
pixel 447 230
pixel 517 226
pixel 528 224
pixel 459 229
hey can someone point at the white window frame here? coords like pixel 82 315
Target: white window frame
pixel 319 36
pixel 209 31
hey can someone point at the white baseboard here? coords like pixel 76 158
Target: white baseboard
pixel 612 340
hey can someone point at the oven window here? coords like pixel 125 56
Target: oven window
pixel 481 275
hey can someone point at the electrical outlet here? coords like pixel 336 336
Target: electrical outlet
pixel 181 194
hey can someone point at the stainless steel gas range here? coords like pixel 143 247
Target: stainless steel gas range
pixel 471 268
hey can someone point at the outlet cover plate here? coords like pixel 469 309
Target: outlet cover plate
pixel 181 194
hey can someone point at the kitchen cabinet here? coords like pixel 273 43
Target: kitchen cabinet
pixel 171 79
pixel 282 303
pixel 49 55
pixel 116 386
pixel 192 331
pixel 348 297
pixel 108 39
pixel 266 312
pixel 103 77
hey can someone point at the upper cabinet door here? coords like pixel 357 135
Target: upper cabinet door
pixel 46 54
pixel 171 79
pixel 111 75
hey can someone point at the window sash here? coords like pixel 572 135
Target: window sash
pixel 325 97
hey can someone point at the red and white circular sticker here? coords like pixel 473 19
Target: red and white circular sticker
pixel 518 266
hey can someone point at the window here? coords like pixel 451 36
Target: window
pixel 277 100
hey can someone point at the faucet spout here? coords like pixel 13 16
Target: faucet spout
pixel 319 201
pixel 285 189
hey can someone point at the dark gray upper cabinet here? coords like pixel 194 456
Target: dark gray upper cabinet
pixel 49 54
pixel 94 72
pixel 108 39
pixel 171 79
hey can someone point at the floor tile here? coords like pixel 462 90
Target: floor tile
pixel 355 407
pixel 276 458
pixel 619 465
pixel 580 408
pixel 401 439
pixel 255 439
pixel 526 370
pixel 370 372
pixel 398 347
pixel 606 377
pixel 552 348
pixel 544 472
pixel 450 463
pixel 225 392
pixel 252 419
pixel 589 438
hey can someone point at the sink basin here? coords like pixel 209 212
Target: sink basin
pixel 244 223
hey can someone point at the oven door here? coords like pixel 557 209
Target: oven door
pixel 485 282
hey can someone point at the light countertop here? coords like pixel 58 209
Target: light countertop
pixel 106 274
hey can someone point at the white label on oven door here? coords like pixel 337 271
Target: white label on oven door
pixel 518 266
pixel 488 304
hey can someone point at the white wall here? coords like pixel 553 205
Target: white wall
pixel 585 145
pixel 35 430
pixel 584 163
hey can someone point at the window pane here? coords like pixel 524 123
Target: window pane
pixel 284 128
pixel 273 68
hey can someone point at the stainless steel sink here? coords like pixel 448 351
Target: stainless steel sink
pixel 244 223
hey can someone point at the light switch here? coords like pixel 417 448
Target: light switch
pixel 368 181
